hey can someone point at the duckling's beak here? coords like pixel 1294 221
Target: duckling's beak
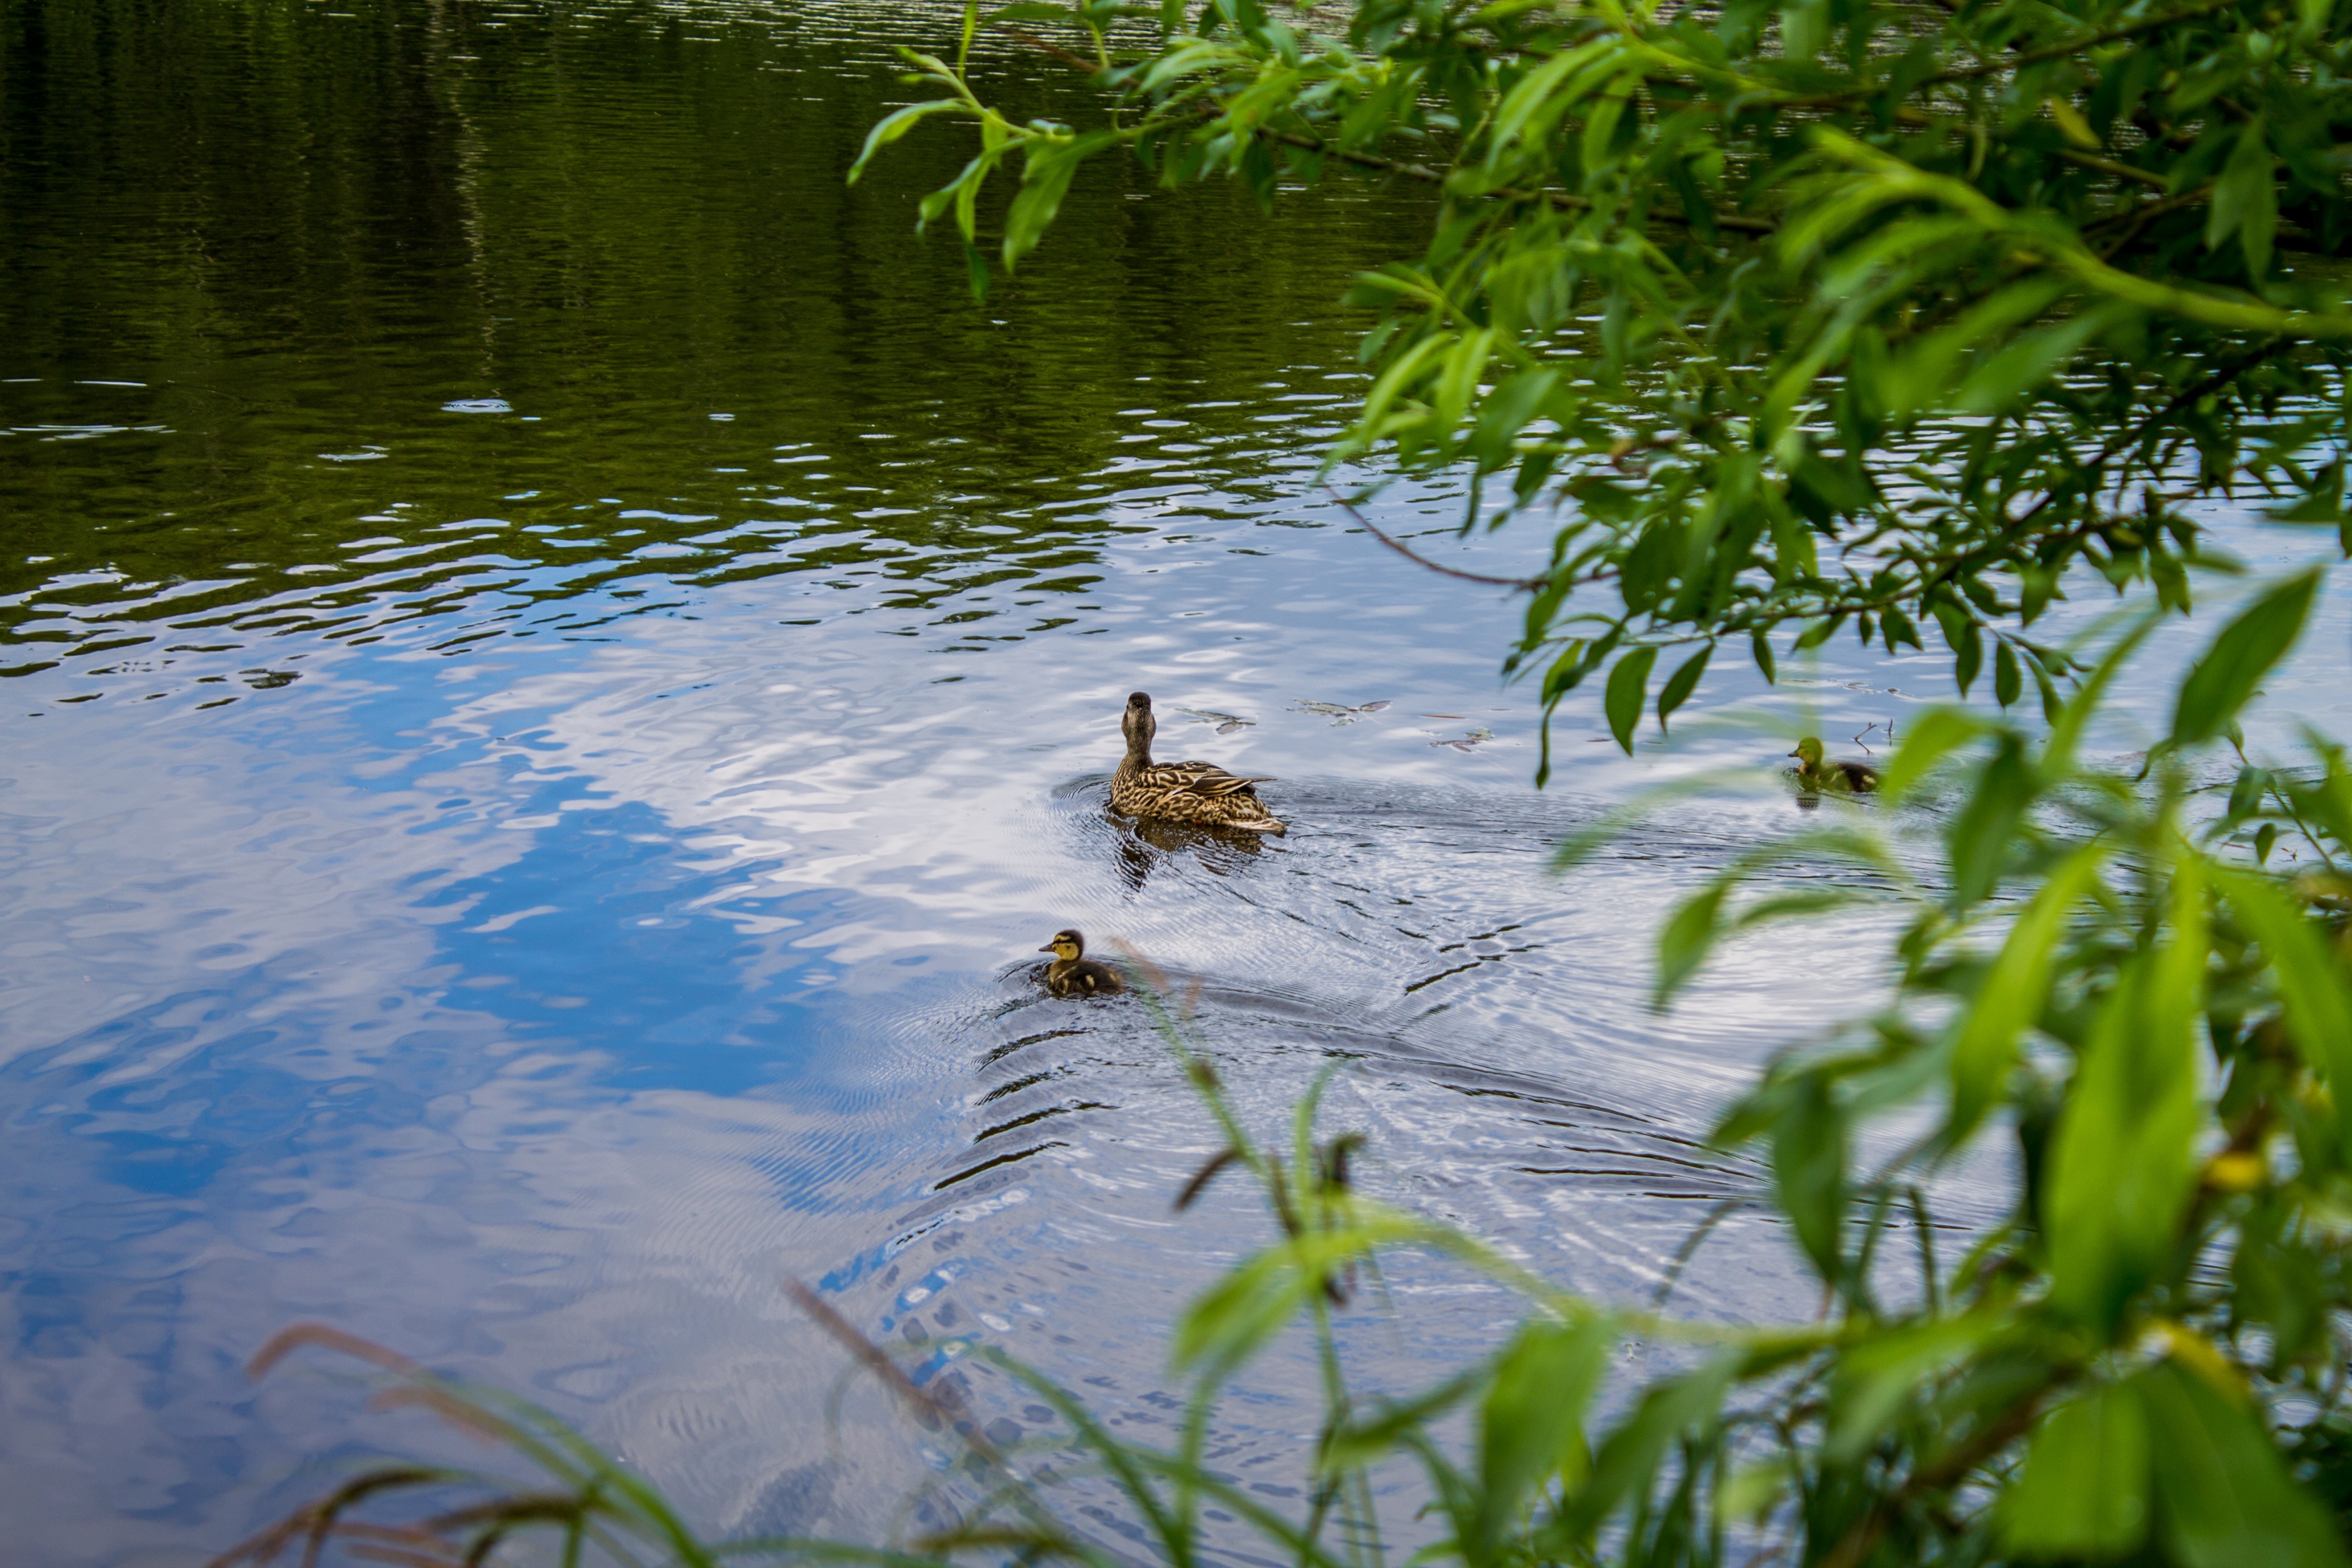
pixel 1796 753
pixel 1047 948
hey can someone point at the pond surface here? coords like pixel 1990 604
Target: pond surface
pixel 559 669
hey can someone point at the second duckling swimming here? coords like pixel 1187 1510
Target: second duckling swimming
pixel 1073 973
pixel 1845 778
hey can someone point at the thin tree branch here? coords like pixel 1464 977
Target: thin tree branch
pixel 2137 218
pixel 1528 584
pixel 1736 222
pixel 2222 377
pixel 1059 53
pixel 2018 61
pixel 2059 51
pixel 2110 166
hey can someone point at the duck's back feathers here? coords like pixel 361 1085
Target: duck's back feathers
pixel 1841 778
pixel 1814 770
pixel 1082 977
pixel 1193 792
pixel 1199 778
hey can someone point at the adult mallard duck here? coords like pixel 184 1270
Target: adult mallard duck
pixel 1073 973
pixel 1182 791
pixel 1845 778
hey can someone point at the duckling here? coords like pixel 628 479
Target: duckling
pixel 1072 973
pixel 1845 778
pixel 1182 791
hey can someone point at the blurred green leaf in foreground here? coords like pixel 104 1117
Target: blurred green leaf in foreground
pixel 1785 319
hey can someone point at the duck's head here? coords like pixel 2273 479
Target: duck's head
pixel 1065 944
pixel 1137 723
pixel 1809 752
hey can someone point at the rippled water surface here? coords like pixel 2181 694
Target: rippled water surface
pixel 558 668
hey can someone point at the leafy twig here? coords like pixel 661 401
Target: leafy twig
pixel 1523 583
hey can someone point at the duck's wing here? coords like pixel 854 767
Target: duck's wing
pixel 1199 778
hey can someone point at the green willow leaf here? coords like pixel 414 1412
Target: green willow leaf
pixel 1983 837
pixel 1809 1150
pixel 2245 200
pixel 2008 684
pixel 1046 170
pixel 1233 1320
pixel 1881 1373
pixel 1531 1428
pixel 2013 993
pixel 2084 1490
pixel 897 124
pixel 1682 683
pixel 2121 1164
pixel 2248 648
pixel 1627 682
pixel 2312 983
pixel 1687 938
pixel 2223 1496
pixel 1627 1464
pixel 1970 660
pixel 1927 740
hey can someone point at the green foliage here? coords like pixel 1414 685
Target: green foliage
pixel 1789 317
pixel 2226 676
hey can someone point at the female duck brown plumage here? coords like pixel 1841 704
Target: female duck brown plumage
pixel 1195 792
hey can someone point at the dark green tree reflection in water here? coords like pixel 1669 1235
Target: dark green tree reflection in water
pixel 305 290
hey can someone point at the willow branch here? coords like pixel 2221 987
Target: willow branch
pixel 1737 223
pixel 2219 377
pixel 2059 51
pixel 1528 584
pixel 2112 167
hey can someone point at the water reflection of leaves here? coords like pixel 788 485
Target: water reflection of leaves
pixel 260 447
pixel 1226 723
pixel 1464 742
pixel 1339 712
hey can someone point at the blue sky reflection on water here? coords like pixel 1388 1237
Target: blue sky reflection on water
pixel 503 860
pixel 310 991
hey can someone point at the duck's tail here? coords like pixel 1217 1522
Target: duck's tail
pixel 1258 819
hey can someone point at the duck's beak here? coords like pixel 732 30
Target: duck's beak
pixel 1796 753
pixel 1047 948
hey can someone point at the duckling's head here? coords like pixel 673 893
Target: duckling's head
pixel 1137 723
pixel 1066 944
pixel 1809 753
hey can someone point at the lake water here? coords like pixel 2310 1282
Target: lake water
pixel 559 669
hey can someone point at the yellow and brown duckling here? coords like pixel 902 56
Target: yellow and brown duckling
pixel 1195 792
pixel 1073 973
pixel 1845 778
